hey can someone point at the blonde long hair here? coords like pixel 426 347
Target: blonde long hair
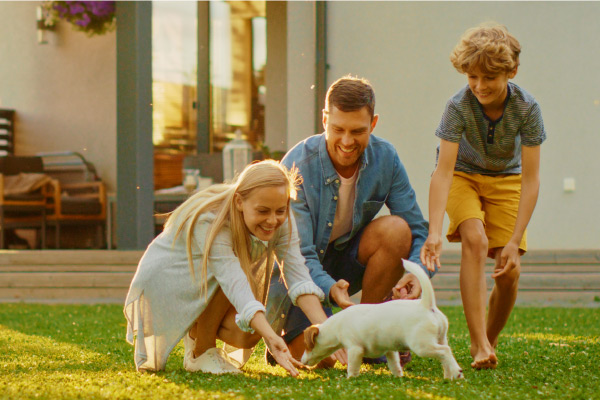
pixel 220 200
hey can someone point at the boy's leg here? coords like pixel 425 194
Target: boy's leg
pixel 502 300
pixel 501 204
pixel 218 321
pixel 473 287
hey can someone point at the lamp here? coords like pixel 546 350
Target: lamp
pixel 43 25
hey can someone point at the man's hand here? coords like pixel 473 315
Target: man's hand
pixel 341 355
pixel 407 288
pixel 339 294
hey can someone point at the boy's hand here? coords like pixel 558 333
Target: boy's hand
pixel 339 294
pixel 431 251
pixel 509 260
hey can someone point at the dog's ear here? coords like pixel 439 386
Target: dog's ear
pixel 310 334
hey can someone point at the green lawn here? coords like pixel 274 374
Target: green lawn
pixel 54 352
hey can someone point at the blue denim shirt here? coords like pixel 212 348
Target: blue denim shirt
pixel 381 180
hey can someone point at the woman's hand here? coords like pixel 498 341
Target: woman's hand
pixel 282 354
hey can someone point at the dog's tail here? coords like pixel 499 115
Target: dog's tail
pixel 427 296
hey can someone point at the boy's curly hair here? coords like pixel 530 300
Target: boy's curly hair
pixel 489 47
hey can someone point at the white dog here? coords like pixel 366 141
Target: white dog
pixel 370 330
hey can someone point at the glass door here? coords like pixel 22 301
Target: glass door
pixel 237 58
pixel 238 55
pixel 174 88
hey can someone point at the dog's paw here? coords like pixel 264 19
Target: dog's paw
pixel 458 375
pixel 453 373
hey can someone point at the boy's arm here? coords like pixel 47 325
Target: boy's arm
pixel 439 188
pixel 530 187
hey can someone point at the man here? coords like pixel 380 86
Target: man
pixel 348 175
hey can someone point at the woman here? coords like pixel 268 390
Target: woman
pixel 206 276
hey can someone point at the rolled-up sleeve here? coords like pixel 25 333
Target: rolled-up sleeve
pixel 243 318
pixel 294 270
pixel 226 268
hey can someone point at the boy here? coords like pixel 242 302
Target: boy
pixel 487 179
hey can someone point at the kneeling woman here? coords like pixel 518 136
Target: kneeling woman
pixel 206 276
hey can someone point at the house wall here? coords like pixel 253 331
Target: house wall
pixel 64 92
pixel 403 49
pixel 290 73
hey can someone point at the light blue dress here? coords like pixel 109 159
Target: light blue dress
pixel 164 300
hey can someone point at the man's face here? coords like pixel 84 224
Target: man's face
pixel 347 135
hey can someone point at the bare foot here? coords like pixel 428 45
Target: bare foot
pixel 490 362
pixel 484 356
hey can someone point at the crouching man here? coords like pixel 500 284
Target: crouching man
pixel 348 176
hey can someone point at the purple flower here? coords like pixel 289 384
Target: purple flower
pixel 61 9
pixel 92 17
pixel 100 8
pixel 84 21
pixel 76 8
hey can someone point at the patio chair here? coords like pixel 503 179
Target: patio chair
pixel 23 192
pixel 78 196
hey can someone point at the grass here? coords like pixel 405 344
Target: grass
pixel 76 351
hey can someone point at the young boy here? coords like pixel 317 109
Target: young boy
pixel 487 179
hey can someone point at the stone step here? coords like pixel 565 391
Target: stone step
pixel 69 257
pixel 532 281
pixel 570 277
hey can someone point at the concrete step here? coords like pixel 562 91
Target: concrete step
pixel 560 277
pixel 67 276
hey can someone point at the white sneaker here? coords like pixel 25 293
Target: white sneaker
pixel 235 356
pixel 239 357
pixel 188 345
pixel 213 360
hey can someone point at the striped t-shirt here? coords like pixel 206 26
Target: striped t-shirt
pixel 491 147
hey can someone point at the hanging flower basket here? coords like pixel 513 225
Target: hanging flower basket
pixel 91 17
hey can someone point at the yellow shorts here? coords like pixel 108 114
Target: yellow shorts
pixel 492 199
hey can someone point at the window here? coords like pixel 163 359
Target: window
pixel 238 55
pixel 237 58
pixel 174 71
